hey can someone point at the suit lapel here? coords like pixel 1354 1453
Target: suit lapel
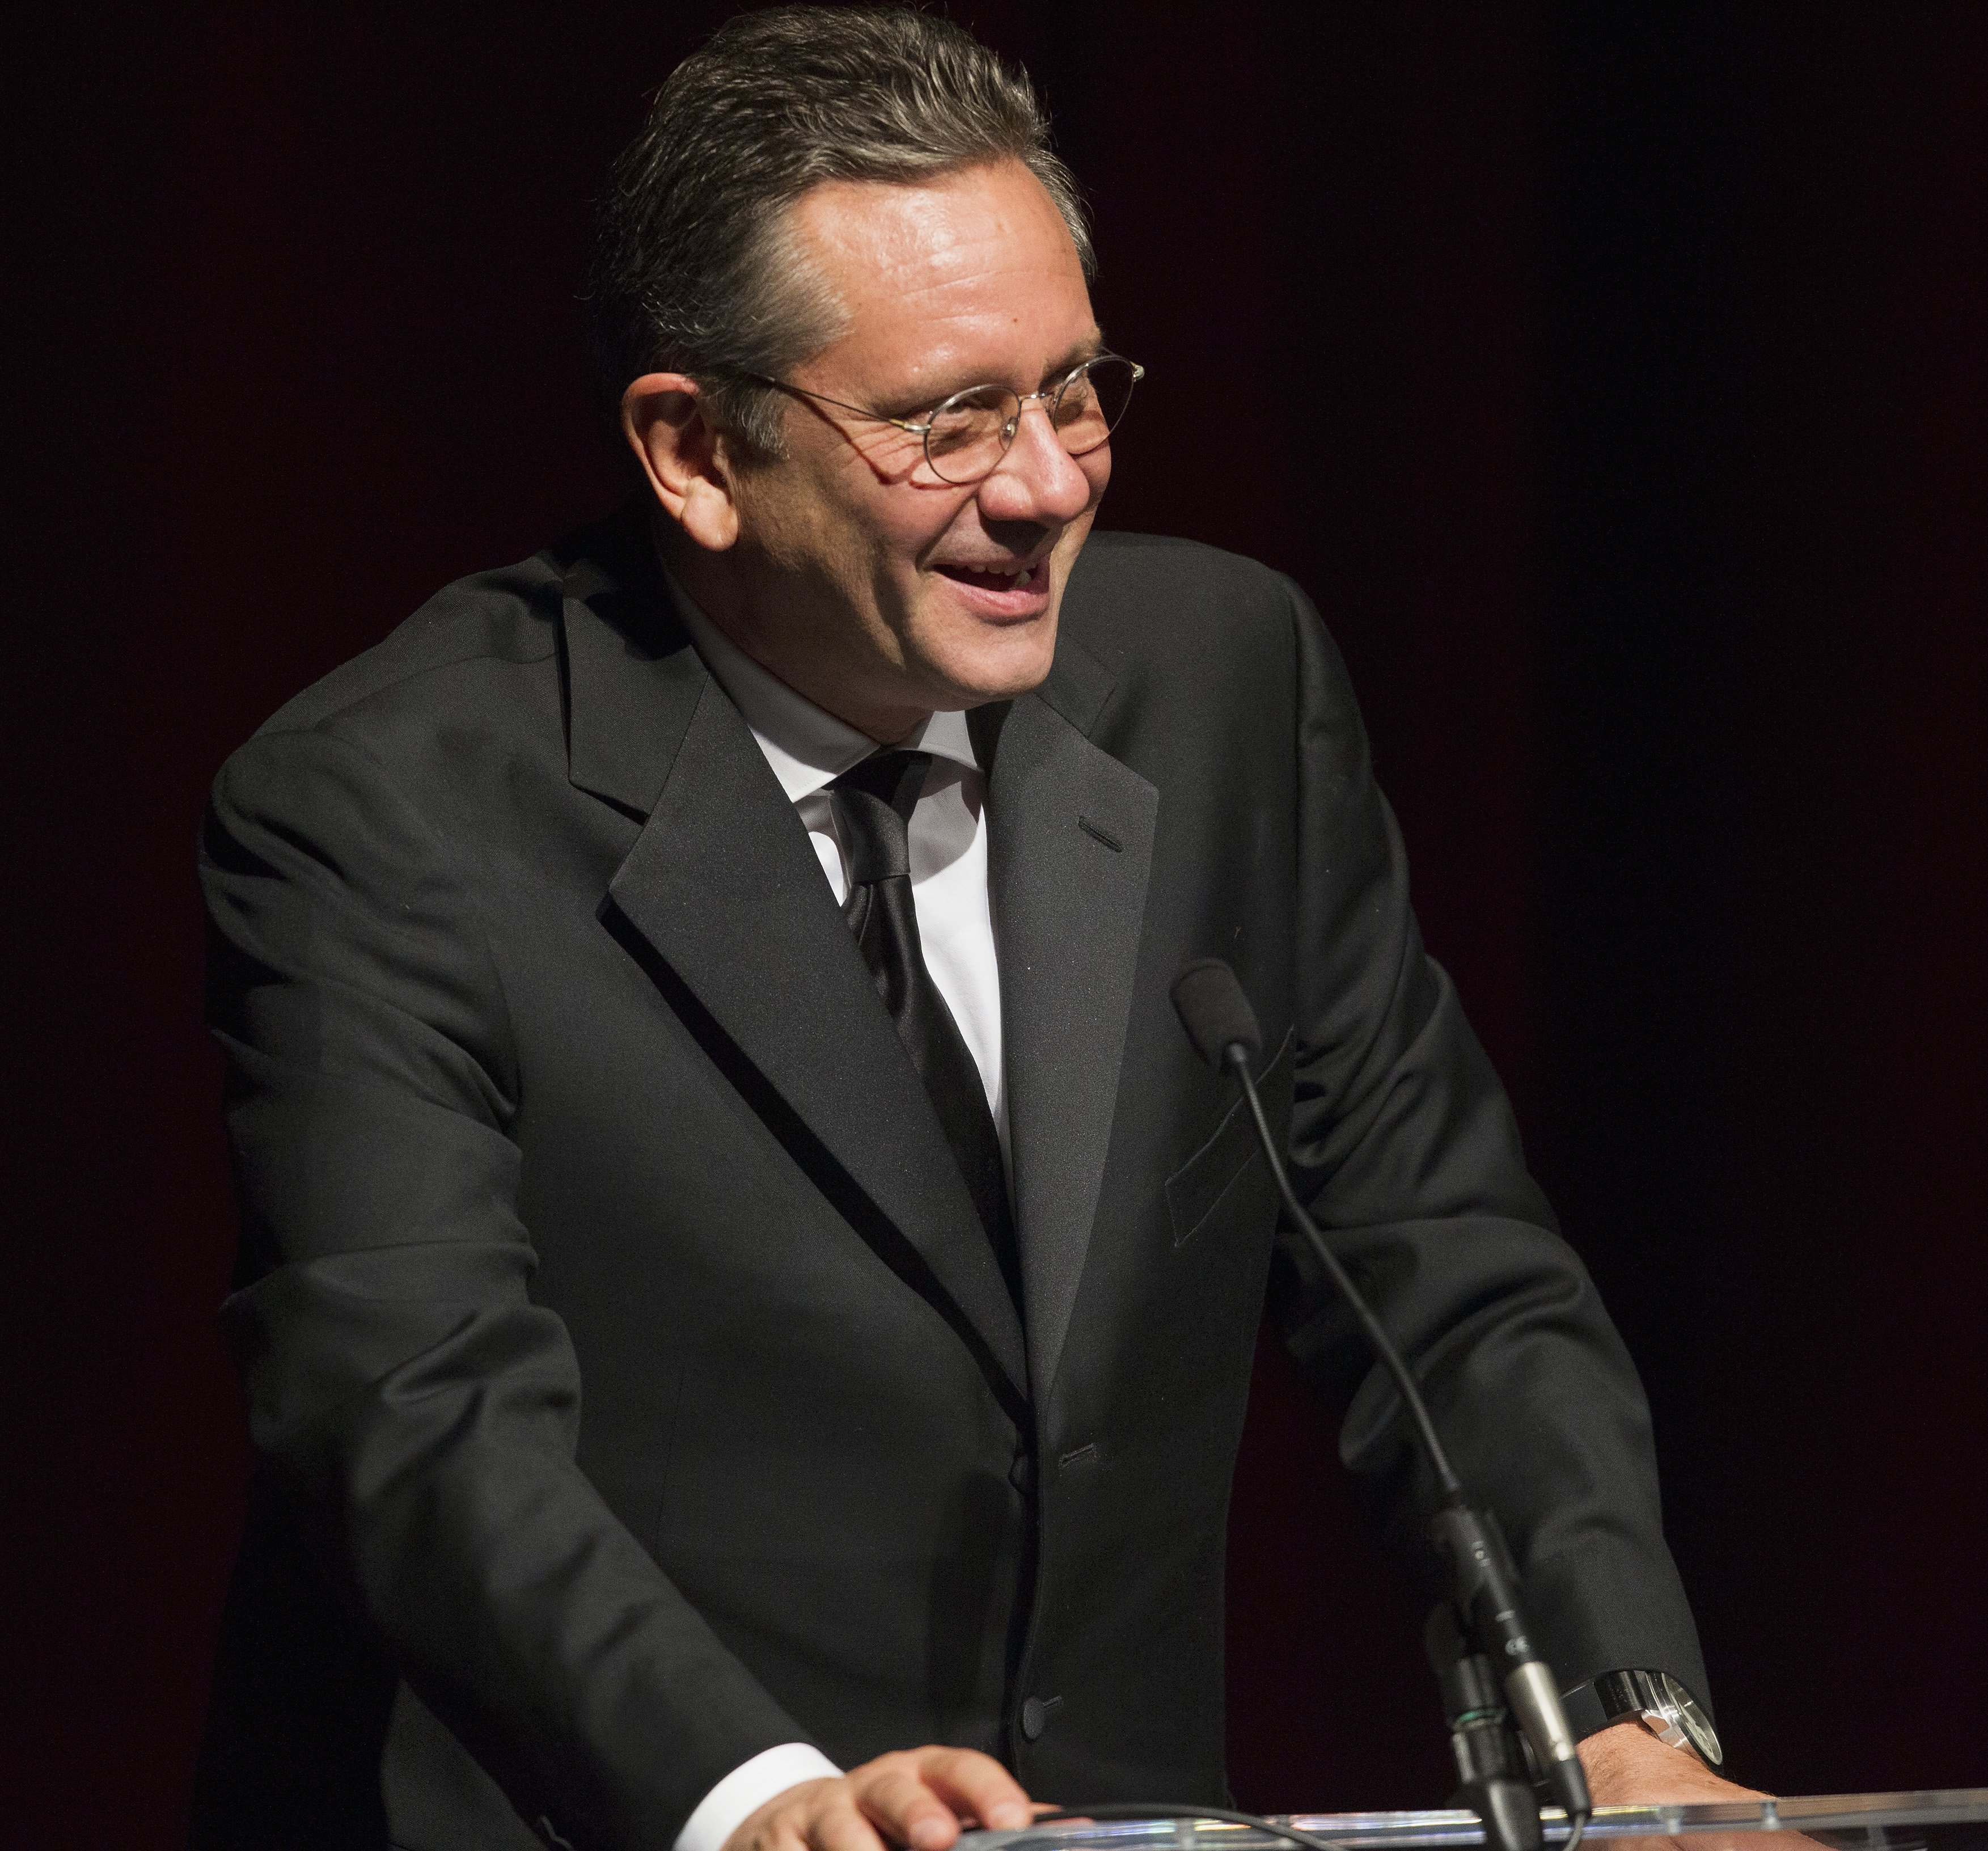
pixel 724 887
pixel 1071 842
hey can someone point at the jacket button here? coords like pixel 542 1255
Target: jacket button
pixel 1035 1717
pixel 1021 1473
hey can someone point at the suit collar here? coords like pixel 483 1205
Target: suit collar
pixel 1071 833
pixel 632 679
pixel 723 888
pixel 1071 851
pixel 722 899
pixel 1079 685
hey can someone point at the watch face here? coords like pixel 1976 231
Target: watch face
pixel 1663 1705
pixel 1692 1722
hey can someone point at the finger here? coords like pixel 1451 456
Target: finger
pixel 787 1832
pixel 839 1821
pixel 788 1821
pixel 892 1790
pixel 976 1785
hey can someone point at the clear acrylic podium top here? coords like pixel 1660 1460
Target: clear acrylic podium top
pixel 1954 1820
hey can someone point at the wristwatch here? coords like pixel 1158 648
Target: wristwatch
pixel 1655 1699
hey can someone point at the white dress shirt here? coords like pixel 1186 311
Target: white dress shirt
pixel 808 750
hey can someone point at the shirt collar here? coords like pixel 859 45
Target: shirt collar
pixel 807 748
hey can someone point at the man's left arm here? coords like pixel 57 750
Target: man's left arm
pixel 1405 1146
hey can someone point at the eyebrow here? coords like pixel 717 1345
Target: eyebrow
pixel 1089 347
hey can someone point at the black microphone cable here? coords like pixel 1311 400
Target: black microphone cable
pixel 1223 1028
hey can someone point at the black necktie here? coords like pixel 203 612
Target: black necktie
pixel 873 810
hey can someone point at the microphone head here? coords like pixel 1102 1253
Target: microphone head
pixel 1215 1011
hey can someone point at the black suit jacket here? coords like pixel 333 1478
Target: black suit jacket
pixel 636 1386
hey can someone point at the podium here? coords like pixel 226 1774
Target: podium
pixel 1953 1820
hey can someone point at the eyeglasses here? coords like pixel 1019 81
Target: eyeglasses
pixel 967 435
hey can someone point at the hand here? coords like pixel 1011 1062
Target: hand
pixel 1628 1766
pixel 920 1798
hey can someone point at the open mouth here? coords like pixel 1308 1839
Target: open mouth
pixel 1027 578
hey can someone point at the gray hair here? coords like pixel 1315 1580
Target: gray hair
pixel 696 268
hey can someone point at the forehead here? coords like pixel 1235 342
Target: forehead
pixel 970 276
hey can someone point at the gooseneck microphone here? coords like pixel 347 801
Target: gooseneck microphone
pixel 1480 1626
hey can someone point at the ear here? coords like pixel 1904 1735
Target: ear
pixel 683 455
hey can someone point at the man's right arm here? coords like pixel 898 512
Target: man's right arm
pixel 398 1371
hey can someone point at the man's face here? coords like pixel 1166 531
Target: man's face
pixel 877 589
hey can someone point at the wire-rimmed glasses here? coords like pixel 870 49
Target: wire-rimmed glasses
pixel 965 436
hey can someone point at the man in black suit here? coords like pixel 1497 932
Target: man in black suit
pixel 742 1275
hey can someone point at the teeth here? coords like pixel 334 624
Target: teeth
pixel 1021 578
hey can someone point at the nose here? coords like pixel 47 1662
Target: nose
pixel 1038 480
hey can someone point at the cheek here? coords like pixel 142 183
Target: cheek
pixel 909 527
pixel 780 513
pixel 886 529
pixel 905 530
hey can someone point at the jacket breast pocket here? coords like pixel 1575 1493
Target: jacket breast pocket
pixel 1197 1189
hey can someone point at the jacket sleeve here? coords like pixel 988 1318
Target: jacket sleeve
pixel 400 1377
pixel 1405 1149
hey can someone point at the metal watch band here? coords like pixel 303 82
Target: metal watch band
pixel 1655 1699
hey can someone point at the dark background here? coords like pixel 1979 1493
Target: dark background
pixel 1612 374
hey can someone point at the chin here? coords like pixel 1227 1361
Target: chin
pixel 1011 666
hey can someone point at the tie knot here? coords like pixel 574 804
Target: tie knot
pixel 873 803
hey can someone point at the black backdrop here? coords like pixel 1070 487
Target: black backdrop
pixel 1612 374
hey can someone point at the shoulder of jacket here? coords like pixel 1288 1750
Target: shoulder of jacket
pixel 1144 591
pixel 1151 559
pixel 507 616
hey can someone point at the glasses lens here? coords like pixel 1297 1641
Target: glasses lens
pixel 1092 401
pixel 970 431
